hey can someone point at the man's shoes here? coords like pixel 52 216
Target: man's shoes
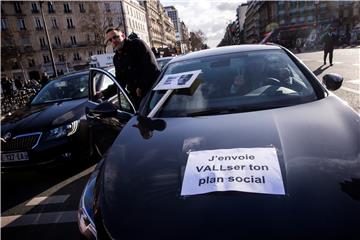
pixel 324 63
pixel 331 64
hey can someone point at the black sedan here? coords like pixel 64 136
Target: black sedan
pixel 53 127
pixel 256 147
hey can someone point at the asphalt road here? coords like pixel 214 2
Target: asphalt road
pixel 42 204
pixel 346 62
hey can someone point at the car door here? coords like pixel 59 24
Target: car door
pixel 108 110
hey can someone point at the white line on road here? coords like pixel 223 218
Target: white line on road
pixel 333 62
pixel 48 200
pixel 47 192
pixel 356 64
pixel 350 90
pixel 353 81
pixel 39 218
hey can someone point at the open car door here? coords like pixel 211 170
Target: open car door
pixel 108 111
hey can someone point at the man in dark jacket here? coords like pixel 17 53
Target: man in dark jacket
pixel 135 64
pixel 328 40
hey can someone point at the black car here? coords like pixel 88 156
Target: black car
pixel 53 127
pixel 256 148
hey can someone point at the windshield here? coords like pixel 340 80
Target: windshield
pixel 237 82
pixel 65 88
pixel 163 61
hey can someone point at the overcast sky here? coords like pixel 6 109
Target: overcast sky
pixel 209 16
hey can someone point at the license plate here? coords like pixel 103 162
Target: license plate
pixel 14 157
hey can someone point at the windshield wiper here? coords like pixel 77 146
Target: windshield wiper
pixel 232 110
pixel 57 100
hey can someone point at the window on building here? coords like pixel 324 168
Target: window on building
pixel 54 23
pixel 76 56
pixel 61 58
pixel 99 52
pixel 38 24
pixel 17 7
pixel 42 42
pixel 34 8
pixel 81 7
pixel 90 53
pixel 46 58
pixel 67 8
pixel 21 24
pixel 57 40
pixel 70 23
pixel 51 7
pixel 4 24
pixel 73 40
pixel 31 62
pixel 107 7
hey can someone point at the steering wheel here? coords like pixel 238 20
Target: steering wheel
pixel 273 81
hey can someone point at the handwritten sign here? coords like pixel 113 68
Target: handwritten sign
pixel 254 170
pixel 177 81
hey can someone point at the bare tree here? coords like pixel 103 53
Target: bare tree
pixel 198 40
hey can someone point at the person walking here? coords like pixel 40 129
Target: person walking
pixel 44 79
pixel 136 68
pixel 328 40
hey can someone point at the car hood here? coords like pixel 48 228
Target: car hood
pixel 318 150
pixel 37 118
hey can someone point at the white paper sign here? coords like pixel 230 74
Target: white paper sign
pixel 254 170
pixel 177 81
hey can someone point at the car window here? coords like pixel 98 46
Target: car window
pixel 240 82
pixel 64 88
pixel 107 90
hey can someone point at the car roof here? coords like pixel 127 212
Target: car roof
pixel 224 50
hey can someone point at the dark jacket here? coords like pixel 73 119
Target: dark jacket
pixel 329 41
pixel 135 66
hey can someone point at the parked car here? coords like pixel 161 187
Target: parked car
pixel 163 61
pixel 53 127
pixel 256 148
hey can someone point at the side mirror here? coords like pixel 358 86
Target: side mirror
pixel 104 110
pixel 333 81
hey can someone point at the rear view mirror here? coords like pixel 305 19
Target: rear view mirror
pixel 333 81
pixel 104 110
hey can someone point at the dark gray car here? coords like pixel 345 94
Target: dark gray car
pixel 283 156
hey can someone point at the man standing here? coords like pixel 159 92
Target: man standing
pixel 135 64
pixel 328 46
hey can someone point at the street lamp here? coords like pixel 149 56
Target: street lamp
pixel 48 39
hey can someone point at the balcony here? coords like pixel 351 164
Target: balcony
pixel 39 28
pixel 44 47
pixel 71 27
pixel 35 10
pixel 82 10
pixel 67 11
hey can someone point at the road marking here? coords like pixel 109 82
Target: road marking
pixel 353 81
pixel 48 192
pixel 48 200
pixel 333 62
pixel 351 90
pixel 39 218
pixel 356 64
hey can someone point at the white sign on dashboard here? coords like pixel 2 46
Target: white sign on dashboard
pixel 254 170
pixel 177 81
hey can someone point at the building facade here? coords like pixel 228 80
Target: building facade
pixel 135 19
pixel 25 48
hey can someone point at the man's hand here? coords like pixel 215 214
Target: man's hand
pixel 138 92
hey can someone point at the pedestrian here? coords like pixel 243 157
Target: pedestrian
pixel 135 64
pixel 44 79
pixel 18 83
pixel 329 40
pixel 156 53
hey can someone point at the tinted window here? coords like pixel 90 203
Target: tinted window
pixel 65 88
pixel 241 82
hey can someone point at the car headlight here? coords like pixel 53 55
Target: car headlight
pixel 86 208
pixel 65 130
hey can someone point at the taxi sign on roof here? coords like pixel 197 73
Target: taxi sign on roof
pixel 178 80
pixel 254 170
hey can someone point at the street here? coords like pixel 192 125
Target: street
pixel 42 204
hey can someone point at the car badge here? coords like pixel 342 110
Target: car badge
pixel 7 136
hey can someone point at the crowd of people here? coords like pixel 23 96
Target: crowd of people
pixel 15 93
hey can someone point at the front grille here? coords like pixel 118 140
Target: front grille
pixel 21 142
